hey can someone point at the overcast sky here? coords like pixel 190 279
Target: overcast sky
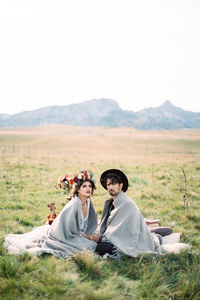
pixel 137 52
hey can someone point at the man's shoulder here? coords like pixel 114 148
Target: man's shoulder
pixel 125 197
pixel 129 202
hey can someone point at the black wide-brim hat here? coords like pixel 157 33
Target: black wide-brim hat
pixel 117 172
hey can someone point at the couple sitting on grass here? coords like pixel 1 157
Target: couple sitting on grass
pixel 122 229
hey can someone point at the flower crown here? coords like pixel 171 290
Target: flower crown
pixel 69 179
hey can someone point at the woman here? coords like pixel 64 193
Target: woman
pixel 68 232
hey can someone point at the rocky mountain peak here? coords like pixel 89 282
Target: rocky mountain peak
pixel 105 112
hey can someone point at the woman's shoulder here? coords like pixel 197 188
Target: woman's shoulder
pixel 73 202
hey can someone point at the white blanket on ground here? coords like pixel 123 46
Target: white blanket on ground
pixel 61 239
pixel 171 244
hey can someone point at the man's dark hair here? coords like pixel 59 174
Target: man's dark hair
pixel 113 178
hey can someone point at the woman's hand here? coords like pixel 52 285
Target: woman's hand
pixel 94 238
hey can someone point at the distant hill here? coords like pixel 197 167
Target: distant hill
pixel 105 112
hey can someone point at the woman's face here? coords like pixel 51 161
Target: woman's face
pixel 85 189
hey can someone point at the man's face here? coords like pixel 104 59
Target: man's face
pixel 114 188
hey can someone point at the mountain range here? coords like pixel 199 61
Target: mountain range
pixel 105 112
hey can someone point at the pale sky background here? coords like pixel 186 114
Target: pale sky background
pixel 137 52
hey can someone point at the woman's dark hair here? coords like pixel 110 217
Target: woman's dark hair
pixel 113 178
pixel 77 185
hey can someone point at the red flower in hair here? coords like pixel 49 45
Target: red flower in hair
pixel 68 180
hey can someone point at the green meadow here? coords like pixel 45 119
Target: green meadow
pixel 163 168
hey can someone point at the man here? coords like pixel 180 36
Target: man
pixel 122 228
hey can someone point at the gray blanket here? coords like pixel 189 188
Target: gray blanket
pixel 64 235
pixel 125 227
pixel 61 239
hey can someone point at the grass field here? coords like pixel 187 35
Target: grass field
pixel 163 168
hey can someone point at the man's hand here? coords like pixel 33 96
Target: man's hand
pixel 94 238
